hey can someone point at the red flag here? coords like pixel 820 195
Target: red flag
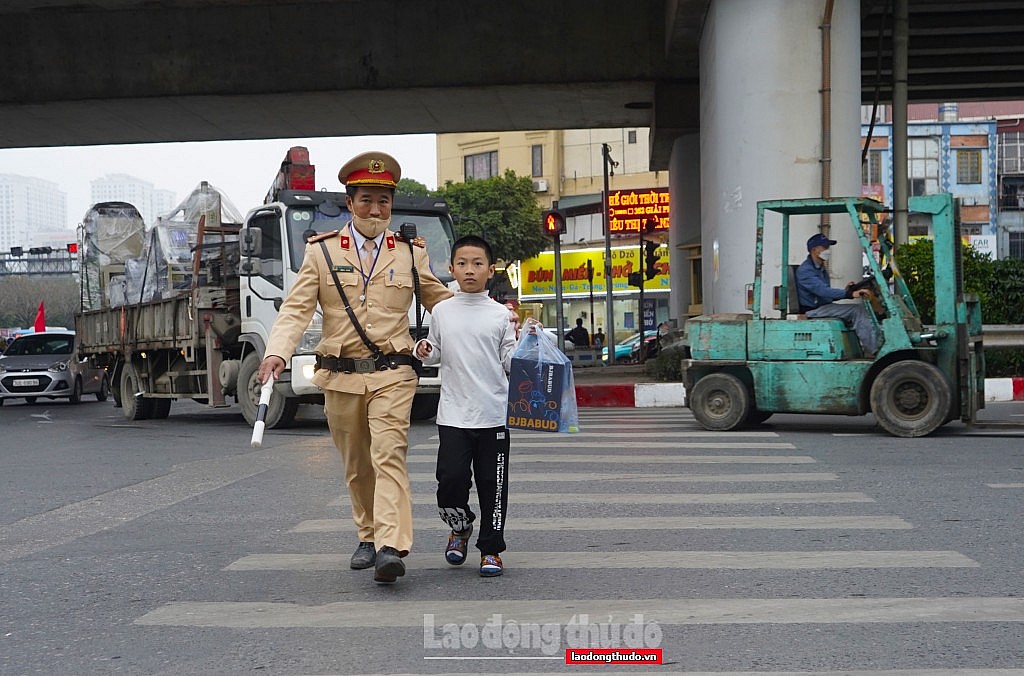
pixel 40 319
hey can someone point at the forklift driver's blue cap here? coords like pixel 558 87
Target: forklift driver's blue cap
pixel 819 240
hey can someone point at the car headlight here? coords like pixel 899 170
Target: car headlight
pixel 57 367
pixel 312 335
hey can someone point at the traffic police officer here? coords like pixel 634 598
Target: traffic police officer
pixel 364 358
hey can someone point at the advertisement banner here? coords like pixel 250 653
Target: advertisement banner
pixel 537 275
pixel 629 210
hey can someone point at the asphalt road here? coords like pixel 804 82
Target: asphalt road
pixel 813 544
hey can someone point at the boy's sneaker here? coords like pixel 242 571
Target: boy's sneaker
pixel 458 544
pixel 490 565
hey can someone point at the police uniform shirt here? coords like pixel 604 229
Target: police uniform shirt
pixel 383 314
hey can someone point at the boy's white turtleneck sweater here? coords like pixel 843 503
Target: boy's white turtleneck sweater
pixel 473 340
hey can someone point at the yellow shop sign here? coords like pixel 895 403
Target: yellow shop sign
pixel 537 275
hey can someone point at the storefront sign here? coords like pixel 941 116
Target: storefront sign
pixel 629 210
pixel 537 275
pixel 983 244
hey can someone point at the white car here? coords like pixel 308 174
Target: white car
pixel 45 365
pixel 569 345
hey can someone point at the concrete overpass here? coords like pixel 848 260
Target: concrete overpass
pixel 82 72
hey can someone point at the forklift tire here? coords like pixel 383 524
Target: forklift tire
pixel 720 402
pixel 910 398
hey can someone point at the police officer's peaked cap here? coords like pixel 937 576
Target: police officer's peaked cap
pixel 373 168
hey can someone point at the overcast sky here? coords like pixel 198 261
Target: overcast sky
pixel 242 170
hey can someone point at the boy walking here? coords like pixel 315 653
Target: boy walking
pixel 472 337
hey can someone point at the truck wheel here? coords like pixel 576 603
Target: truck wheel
pixel 720 402
pixel 280 411
pixel 910 398
pixel 133 406
pixel 424 406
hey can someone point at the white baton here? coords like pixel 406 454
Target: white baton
pixel 261 413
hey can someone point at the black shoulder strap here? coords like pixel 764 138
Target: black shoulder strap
pixel 374 350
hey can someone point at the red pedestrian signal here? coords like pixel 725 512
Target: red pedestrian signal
pixel 553 223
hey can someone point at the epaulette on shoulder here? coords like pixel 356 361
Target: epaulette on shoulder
pixel 323 235
pixel 417 241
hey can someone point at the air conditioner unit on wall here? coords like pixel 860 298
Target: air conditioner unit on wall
pixel 540 185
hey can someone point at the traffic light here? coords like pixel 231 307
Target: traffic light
pixel 17 251
pixel 635 279
pixel 41 250
pixel 553 222
pixel 72 247
pixel 651 259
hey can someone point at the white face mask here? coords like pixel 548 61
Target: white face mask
pixel 370 227
pixel 825 255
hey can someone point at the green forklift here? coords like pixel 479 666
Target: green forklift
pixel 742 368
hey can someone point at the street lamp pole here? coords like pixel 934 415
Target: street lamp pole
pixel 609 170
pixel 590 286
pixel 640 308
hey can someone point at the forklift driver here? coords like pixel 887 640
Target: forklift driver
pixel 817 295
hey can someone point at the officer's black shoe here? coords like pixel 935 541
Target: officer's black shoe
pixel 364 556
pixel 389 566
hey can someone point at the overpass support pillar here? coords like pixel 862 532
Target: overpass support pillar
pixel 684 188
pixel 761 119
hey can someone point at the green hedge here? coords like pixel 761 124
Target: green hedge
pixel 998 283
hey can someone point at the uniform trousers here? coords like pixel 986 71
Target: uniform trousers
pixel 371 430
pixel 465 455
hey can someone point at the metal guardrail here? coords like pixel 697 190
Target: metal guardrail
pixel 1002 336
pixel 57 263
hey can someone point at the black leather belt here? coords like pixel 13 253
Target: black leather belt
pixel 364 365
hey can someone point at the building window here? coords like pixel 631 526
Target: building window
pixel 871 169
pixel 968 166
pixel 537 160
pixel 1016 245
pixel 482 165
pixel 631 136
pixel 923 165
pixel 1012 193
pixel 1011 152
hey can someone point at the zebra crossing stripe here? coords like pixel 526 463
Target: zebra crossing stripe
pixel 664 611
pixel 556 525
pixel 569 442
pixel 845 672
pixel 519 435
pixel 518 459
pixel 626 477
pixel 661 498
pixel 734 560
